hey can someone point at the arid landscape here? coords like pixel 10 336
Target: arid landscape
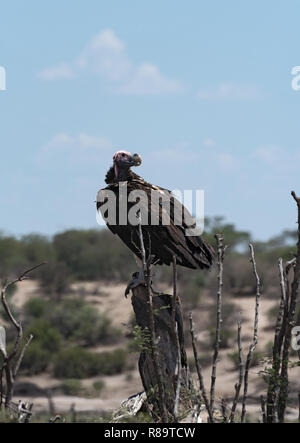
pixel 109 299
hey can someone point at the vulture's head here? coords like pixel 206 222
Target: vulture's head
pixel 123 161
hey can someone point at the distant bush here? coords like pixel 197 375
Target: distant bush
pixel 192 294
pixel 204 359
pixel 78 321
pixel 257 358
pixel 73 319
pixel 111 363
pixel 98 254
pixel 80 363
pixel 226 336
pixel 98 386
pixel 72 387
pixel 36 308
pixel 55 279
pixel 76 363
pixel 36 359
pixel 47 337
pixel 93 254
pixel 273 314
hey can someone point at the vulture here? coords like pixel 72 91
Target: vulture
pixel 162 240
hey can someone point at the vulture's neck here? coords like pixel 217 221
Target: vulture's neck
pixel 124 175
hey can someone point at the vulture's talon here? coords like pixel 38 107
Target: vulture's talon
pixel 138 278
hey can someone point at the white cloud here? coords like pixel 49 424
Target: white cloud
pixel 148 80
pixel 229 91
pixel 269 154
pixel 61 71
pixel 209 142
pixel 79 149
pixel 182 152
pixel 226 161
pixel 105 55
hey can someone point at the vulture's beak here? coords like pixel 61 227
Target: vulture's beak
pixel 137 160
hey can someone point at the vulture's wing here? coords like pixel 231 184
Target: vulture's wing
pixel 164 233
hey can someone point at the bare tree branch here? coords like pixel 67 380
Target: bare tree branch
pixel 274 380
pixel 175 332
pixel 21 356
pixel 147 274
pixel 199 371
pixel 221 250
pixel 241 373
pixel 263 409
pixel 255 334
pixel 283 393
pixel 7 369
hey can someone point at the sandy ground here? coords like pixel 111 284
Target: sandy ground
pixel 109 299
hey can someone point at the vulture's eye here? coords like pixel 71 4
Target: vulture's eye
pixel 123 155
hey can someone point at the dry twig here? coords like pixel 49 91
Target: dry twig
pixel 283 393
pixel 221 250
pixel 7 367
pixel 153 340
pixel 199 371
pixel 241 373
pixel 255 335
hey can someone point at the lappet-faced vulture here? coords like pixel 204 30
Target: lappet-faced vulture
pixel 166 224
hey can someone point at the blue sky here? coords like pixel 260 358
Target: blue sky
pixel 202 90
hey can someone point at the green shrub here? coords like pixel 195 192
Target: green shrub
pixel 80 363
pixel 98 386
pixel 257 358
pixel 36 359
pixel 111 363
pixel 226 336
pixel 204 359
pixel 192 294
pixel 55 279
pixel 76 363
pixel 72 387
pixel 36 307
pixel 273 314
pixel 141 340
pixel 46 336
pixel 78 321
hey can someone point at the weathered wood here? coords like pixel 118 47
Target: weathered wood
pixel 166 343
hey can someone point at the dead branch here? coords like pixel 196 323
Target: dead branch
pixel 224 410
pixel 57 418
pixel 221 250
pixel 175 332
pixel 241 373
pixel 21 356
pixel 153 339
pixel 283 393
pixel 255 334
pixel 7 368
pixel 277 348
pixel 263 409
pixel 199 371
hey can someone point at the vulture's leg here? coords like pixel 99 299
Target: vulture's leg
pixel 138 278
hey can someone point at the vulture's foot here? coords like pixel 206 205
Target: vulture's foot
pixel 138 278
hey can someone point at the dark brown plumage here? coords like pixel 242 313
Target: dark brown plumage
pixel 162 242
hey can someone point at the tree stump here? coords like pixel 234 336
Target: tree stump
pixel 166 343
